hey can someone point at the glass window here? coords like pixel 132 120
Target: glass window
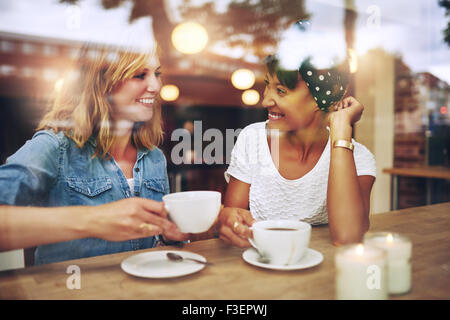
pixel 6 46
pixel 7 70
pixel 27 72
pixel 28 48
pixel 50 50
pixel 50 74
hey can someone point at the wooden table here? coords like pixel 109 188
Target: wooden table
pixel 427 172
pixel 231 278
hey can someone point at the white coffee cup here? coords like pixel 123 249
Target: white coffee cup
pixel 193 211
pixel 281 242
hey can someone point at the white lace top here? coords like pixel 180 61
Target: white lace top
pixel 274 197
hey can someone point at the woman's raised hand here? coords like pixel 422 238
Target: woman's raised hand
pixel 348 110
pixel 234 226
pixel 345 114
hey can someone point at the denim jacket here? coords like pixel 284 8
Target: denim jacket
pixel 50 170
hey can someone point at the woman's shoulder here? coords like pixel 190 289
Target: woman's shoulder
pixel 50 134
pixel 49 138
pixel 255 126
pixel 155 154
pixel 253 130
pixel 45 144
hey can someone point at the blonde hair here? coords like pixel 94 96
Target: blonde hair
pixel 81 108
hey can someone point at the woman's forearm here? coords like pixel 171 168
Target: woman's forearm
pixel 131 218
pixel 23 227
pixel 347 215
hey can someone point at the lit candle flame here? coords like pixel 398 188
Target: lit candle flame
pixel 389 238
pixel 359 249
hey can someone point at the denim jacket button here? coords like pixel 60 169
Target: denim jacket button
pixel 137 193
pixel 136 169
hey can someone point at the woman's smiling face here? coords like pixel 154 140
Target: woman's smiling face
pixel 133 99
pixel 289 109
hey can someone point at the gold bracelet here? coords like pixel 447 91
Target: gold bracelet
pixel 344 144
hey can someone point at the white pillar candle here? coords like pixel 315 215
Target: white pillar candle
pixel 361 273
pixel 398 249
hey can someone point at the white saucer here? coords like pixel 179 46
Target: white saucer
pixel 155 264
pixel 310 259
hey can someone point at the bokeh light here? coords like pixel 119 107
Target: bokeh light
pixel 169 92
pixel 189 37
pixel 243 79
pixel 250 97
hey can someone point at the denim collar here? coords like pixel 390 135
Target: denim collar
pixel 140 153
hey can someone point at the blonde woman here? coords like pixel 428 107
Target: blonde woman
pixel 96 145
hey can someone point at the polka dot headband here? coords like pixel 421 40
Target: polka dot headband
pixel 327 86
pixel 298 54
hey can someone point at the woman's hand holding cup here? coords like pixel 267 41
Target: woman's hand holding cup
pixel 130 218
pixel 234 226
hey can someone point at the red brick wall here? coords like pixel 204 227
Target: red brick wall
pixel 409 139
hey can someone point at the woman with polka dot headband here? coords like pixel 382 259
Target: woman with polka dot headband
pixel 302 163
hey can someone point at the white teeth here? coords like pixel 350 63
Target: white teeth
pixel 147 101
pixel 275 116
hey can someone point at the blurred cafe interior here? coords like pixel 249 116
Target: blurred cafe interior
pixel 400 73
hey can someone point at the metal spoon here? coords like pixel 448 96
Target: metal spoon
pixel 176 257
